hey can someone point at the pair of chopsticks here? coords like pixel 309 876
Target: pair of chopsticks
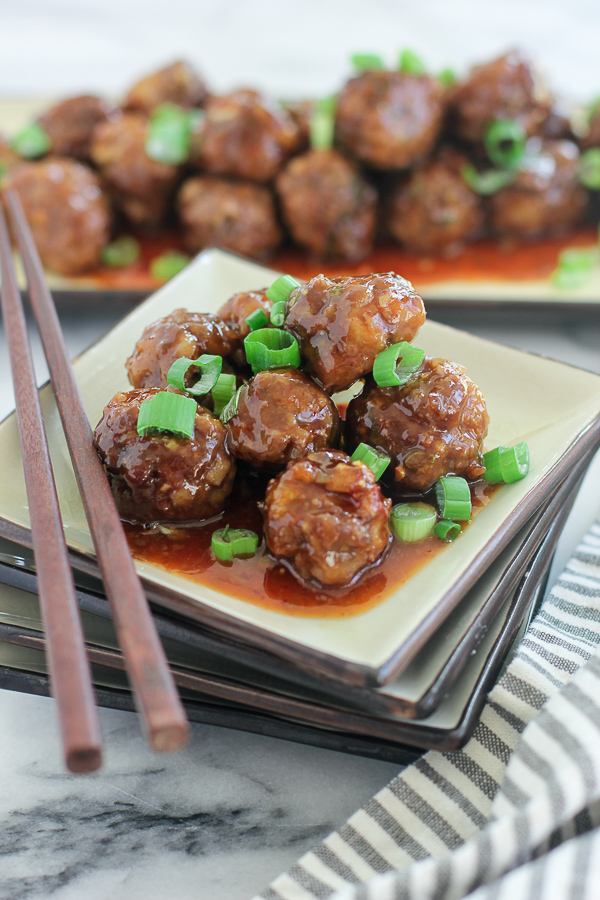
pixel 153 686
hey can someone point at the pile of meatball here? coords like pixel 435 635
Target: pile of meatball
pixel 252 181
pixel 325 515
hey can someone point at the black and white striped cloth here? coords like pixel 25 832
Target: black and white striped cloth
pixel 514 815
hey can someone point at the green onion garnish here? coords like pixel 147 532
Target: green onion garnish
pixel 230 409
pixel 446 530
pixel 281 288
pixel 412 522
pixel 589 169
pixel 411 64
pixel 366 62
pixel 271 348
pixel 447 77
pixel 167 412
pixel 322 124
pixel 505 143
pixel 124 251
pixel 167 265
pixel 31 141
pixel 374 459
pixel 257 319
pixel 223 392
pixel 227 543
pixel 170 133
pixel 453 497
pixel 387 371
pixel 278 314
pixel 209 365
pixel 574 268
pixel 486 183
pixel 506 464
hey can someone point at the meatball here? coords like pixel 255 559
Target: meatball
pixel 281 415
pixel 507 88
pixel 432 426
pixel 181 333
pixel 434 209
pixel 237 309
pixel 328 206
pixel 177 83
pixel 343 323
pixel 70 124
pixel 390 120
pixel 246 135
pixel 140 187
pixel 545 196
pixel 66 209
pixel 327 516
pixel 161 477
pixel 228 214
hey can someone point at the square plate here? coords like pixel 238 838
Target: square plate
pixel 555 407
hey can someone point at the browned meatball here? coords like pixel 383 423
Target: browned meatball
pixel 326 515
pixel 343 323
pixel 328 206
pixel 70 124
pixel 592 138
pixel 281 415
pixel 301 112
pixel 228 214
pixel 161 477
pixel 545 197
pixel 390 120
pixel 434 209
pixel 177 83
pixel 140 187
pixel 507 88
pixel 237 309
pixel 246 135
pixel 67 210
pixel 432 426
pixel 181 333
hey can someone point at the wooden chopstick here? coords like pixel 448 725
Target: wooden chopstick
pixel 67 660
pixel 151 680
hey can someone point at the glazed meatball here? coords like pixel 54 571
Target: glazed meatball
pixel 281 415
pixel 326 515
pixel 343 323
pixel 507 88
pixel 434 209
pixel 328 206
pixel 432 426
pixel 140 187
pixel 70 124
pixel 228 214
pixel 545 197
pixel 390 120
pixel 67 211
pixel 246 135
pixel 181 333
pixel 237 309
pixel 177 83
pixel 161 477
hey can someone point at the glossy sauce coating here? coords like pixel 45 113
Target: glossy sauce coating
pixel 177 83
pixel 70 124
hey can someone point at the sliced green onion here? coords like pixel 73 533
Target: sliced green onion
pixel 31 141
pixel 506 464
pixel 387 371
pixel 453 497
pixel 230 409
pixel 574 268
pixel 322 124
pixel 447 77
pixel 412 522
pixel 589 169
pixel 223 392
pixel 257 319
pixel 505 141
pixel 271 348
pixel 374 459
pixel 446 530
pixel 278 314
pixel 366 62
pixel 227 543
pixel 281 288
pixel 167 412
pixel 486 183
pixel 411 63
pixel 168 264
pixel 170 133
pixel 209 365
pixel 123 251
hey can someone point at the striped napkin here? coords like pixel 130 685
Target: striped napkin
pixel 514 815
